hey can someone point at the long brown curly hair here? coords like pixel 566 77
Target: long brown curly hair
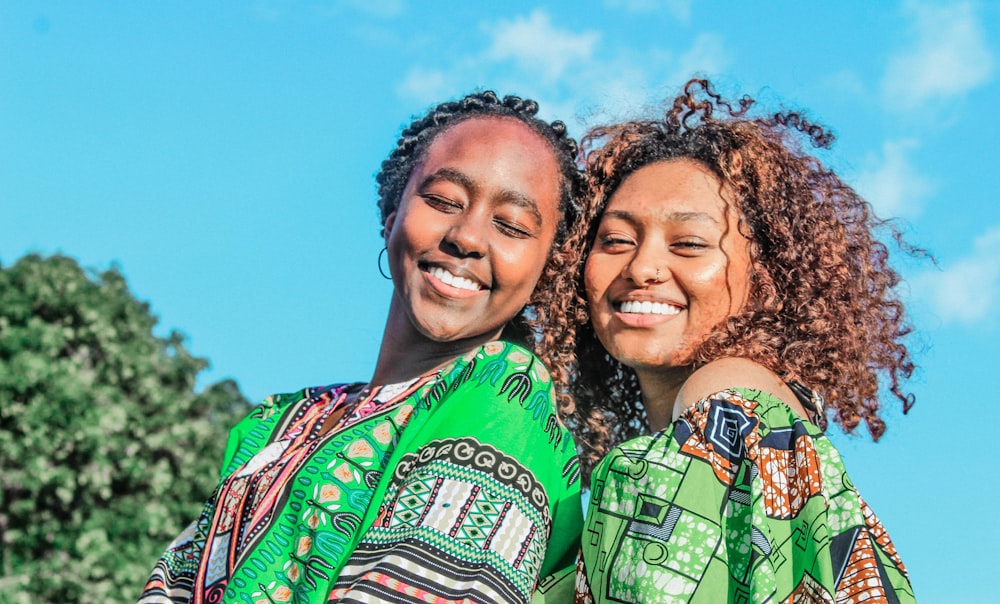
pixel 822 307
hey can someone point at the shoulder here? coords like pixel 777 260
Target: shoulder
pixel 270 419
pixel 732 372
pixel 506 350
pixel 502 359
pixel 281 403
pixel 726 411
pixel 504 388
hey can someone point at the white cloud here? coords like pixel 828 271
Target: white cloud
pixel 572 74
pixel 707 55
pixel 679 9
pixel 535 45
pixel 271 10
pixel 425 85
pixel 967 291
pixel 381 8
pixel 891 183
pixel 947 57
pixel 844 84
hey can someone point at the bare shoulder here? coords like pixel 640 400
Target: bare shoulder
pixel 733 372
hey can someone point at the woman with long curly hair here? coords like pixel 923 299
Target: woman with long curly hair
pixel 449 475
pixel 738 297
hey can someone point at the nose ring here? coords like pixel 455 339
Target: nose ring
pixel 657 274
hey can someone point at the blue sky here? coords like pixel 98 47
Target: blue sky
pixel 222 155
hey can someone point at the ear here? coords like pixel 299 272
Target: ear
pixel 390 220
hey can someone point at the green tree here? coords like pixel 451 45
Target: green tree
pixel 106 449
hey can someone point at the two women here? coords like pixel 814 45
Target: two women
pixel 448 476
pixel 730 280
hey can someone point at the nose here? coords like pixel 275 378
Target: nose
pixel 647 267
pixel 467 237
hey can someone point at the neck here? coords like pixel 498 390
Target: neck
pixel 659 388
pixel 405 353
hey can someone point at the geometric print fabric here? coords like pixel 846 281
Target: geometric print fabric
pixel 467 515
pixel 740 500
pixel 296 498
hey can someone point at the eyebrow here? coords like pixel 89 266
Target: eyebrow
pixel 452 176
pixel 505 196
pixel 671 216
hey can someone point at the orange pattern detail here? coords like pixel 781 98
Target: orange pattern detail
pixel 809 591
pixel 882 537
pixel 860 581
pixel 789 477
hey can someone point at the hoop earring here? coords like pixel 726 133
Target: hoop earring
pixel 384 272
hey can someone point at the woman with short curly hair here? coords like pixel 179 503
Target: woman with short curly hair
pixel 737 296
pixel 448 476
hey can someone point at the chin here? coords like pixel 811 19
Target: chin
pixel 453 333
pixel 655 361
pixel 442 335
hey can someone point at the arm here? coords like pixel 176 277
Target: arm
pixel 729 372
pixel 174 574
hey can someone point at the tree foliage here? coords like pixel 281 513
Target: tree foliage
pixel 106 449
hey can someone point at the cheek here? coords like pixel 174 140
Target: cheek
pixel 520 271
pixel 593 297
pixel 741 291
pixel 710 279
pixel 589 290
pixel 720 293
pixel 398 245
pixel 738 280
pixel 594 281
pixel 405 227
pixel 394 245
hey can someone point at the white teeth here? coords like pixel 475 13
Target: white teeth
pixel 452 280
pixel 648 308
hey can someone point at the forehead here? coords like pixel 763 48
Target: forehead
pixel 672 185
pixel 488 134
pixel 499 158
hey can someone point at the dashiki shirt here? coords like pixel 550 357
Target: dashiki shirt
pixel 740 500
pixel 460 486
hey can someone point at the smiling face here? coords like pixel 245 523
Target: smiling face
pixel 668 265
pixel 472 232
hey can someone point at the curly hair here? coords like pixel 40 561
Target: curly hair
pixel 547 324
pixel 822 307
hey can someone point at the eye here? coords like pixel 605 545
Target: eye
pixel 512 229
pixel 615 242
pixel 689 247
pixel 442 204
pixel 514 221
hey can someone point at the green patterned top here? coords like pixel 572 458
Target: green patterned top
pixel 740 500
pixel 461 485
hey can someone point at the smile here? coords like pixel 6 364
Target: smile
pixel 453 280
pixel 634 307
